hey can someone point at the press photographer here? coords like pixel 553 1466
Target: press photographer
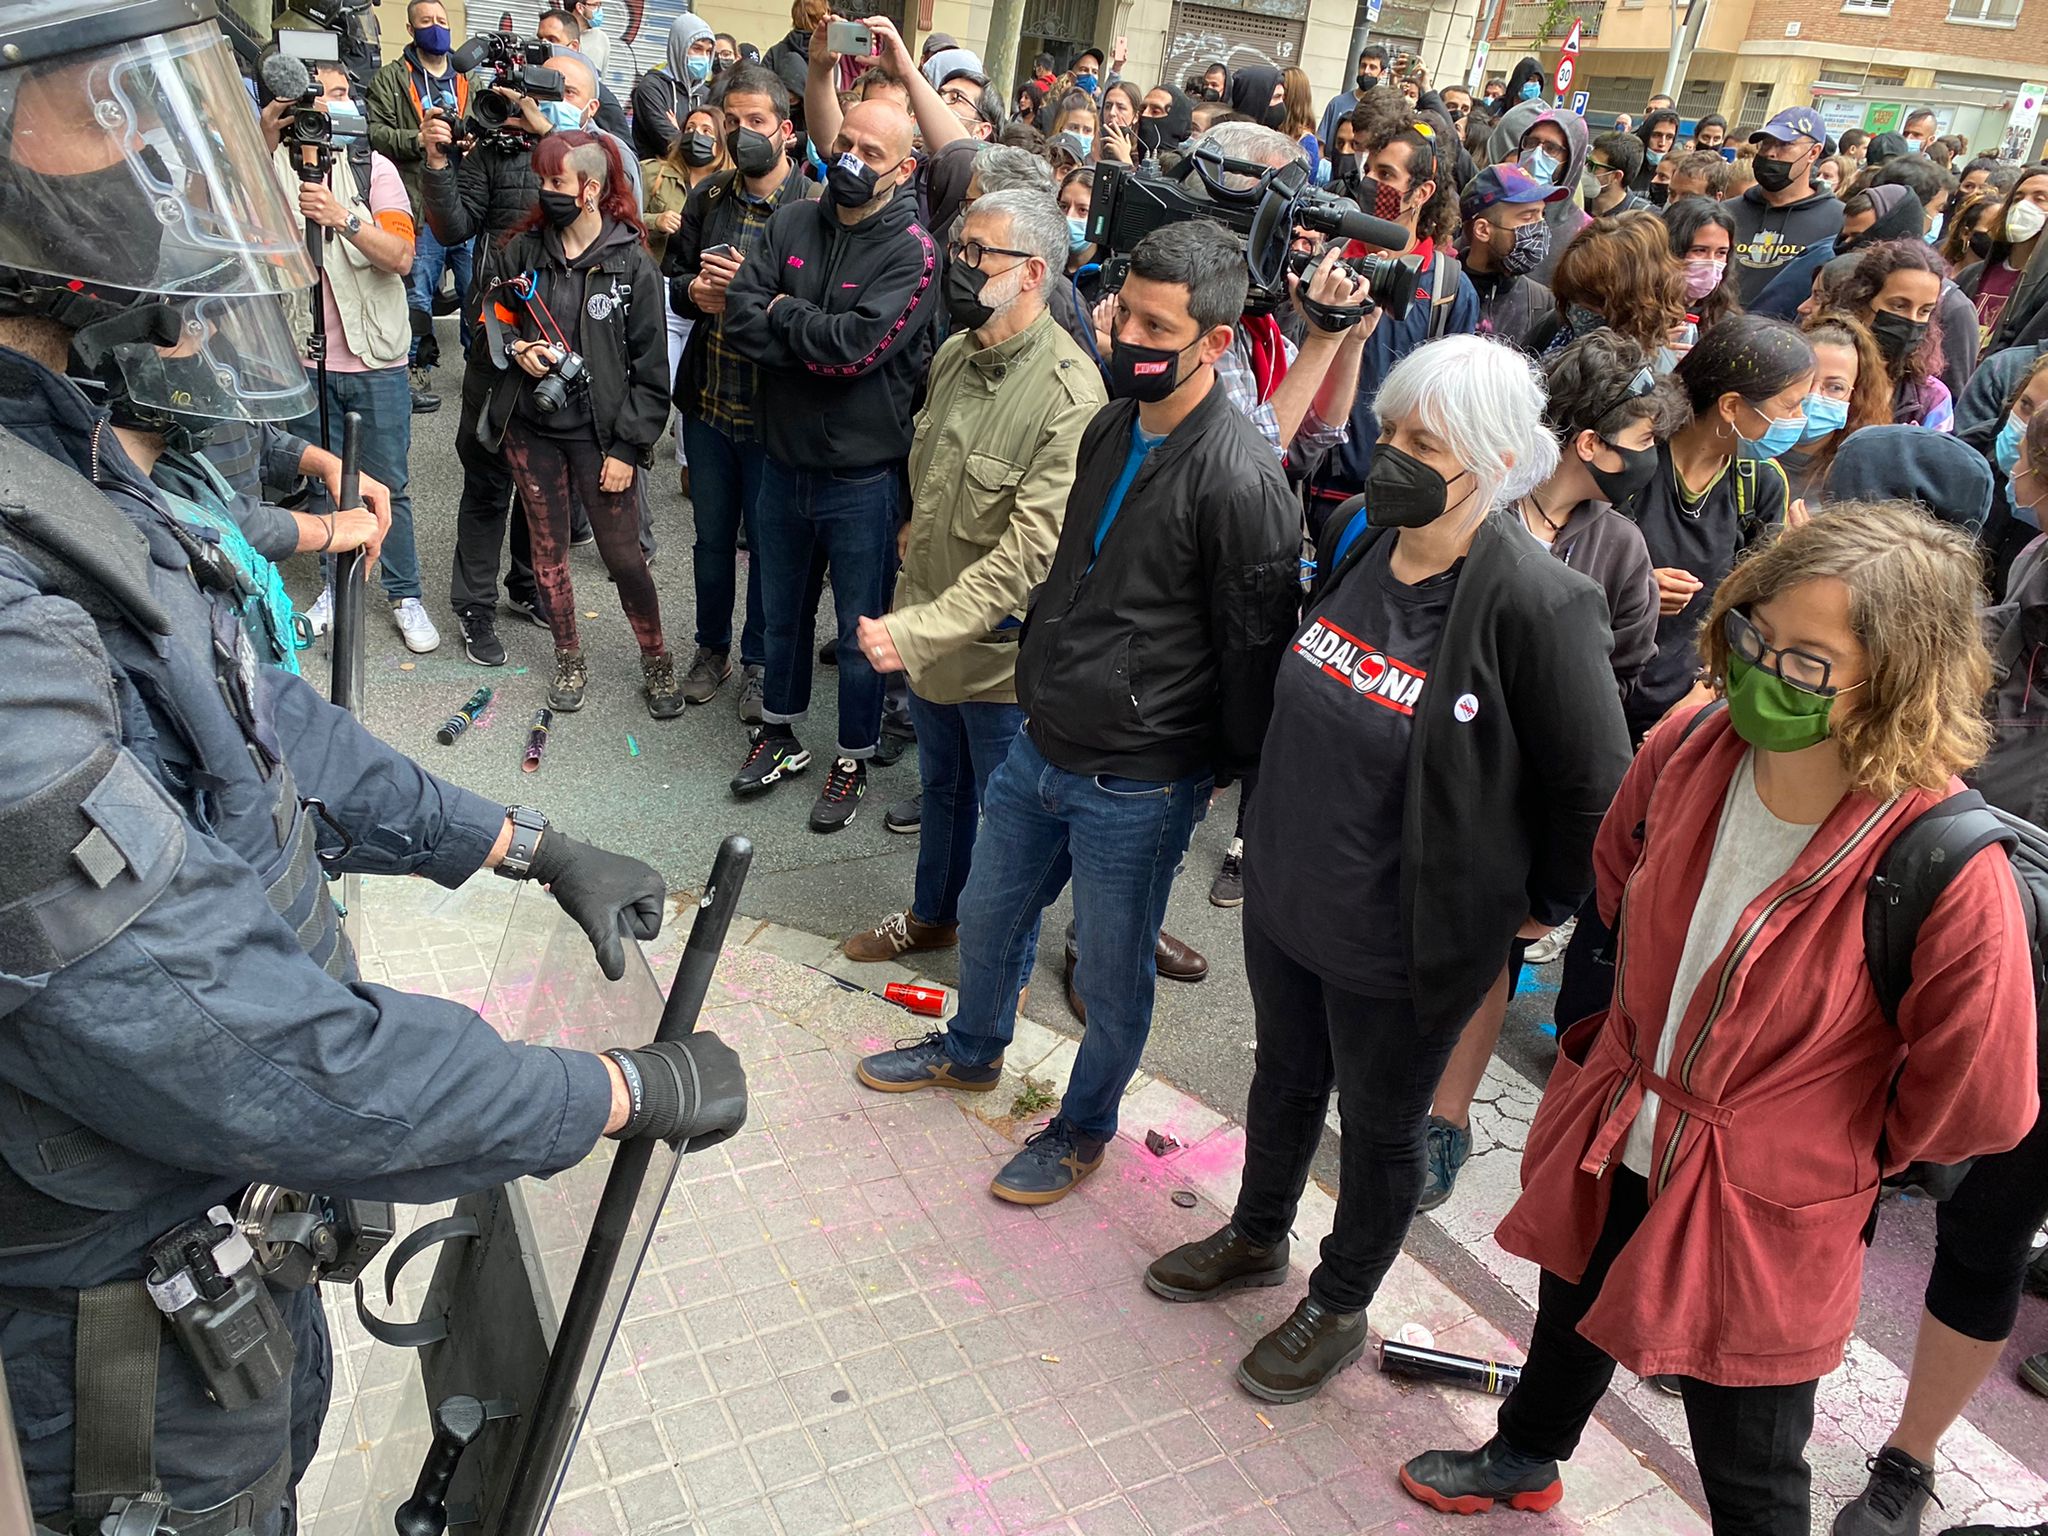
pixel 576 328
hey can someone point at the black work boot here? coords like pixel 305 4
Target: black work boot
pixel 1891 1503
pixel 1223 1261
pixel 1295 1359
pixel 1472 1482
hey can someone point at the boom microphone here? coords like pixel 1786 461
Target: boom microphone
pixel 1380 233
pixel 470 55
pixel 285 77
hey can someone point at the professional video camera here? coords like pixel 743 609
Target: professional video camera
pixel 1128 205
pixel 517 63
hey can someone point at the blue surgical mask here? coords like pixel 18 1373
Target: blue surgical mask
pixel 698 66
pixel 1085 83
pixel 1824 414
pixel 596 17
pixel 1654 156
pixel 2007 448
pixel 1541 164
pixel 1914 146
pixel 1784 432
pixel 561 115
pixel 1531 89
pixel 435 39
pixel 1077 235
pixel 2031 516
pixel 1934 229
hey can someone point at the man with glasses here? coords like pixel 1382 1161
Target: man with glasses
pixel 963 86
pixel 990 471
pixel 1613 164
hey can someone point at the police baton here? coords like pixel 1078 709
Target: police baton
pixel 593 1310
pixel 350 577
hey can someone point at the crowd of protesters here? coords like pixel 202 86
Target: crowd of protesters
pixel 1612 602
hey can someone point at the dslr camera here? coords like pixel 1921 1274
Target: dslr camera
pixel 1261 203
pixel 551 390
pixel 517 63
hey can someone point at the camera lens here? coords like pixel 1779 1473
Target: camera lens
pixel 550 394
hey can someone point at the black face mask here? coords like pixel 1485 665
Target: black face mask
pixel 1772 175
pixel 1144 374
pixel 1896 335
pixel 699 149
pixel 1638 469
pixel 963 288
pixel 1150 133
pixel 559 209
pixel 754 154
pixel 1658 192
pixel 1344 168
pixel 1366 82
pixel 1403 492
pixel 852 182
pixel 1980 245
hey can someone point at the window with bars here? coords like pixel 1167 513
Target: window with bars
pixel 1867 7
pixel 1754 112
pixel 1989 13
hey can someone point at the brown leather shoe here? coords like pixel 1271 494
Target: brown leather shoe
pixel 900 934
pixel 1179 961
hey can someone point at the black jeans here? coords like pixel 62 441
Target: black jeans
pixel 1749 1443
pixel 487 502
pixel 1313 1037
pixel 1983 1237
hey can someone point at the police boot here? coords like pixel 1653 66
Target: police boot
pixel 571 677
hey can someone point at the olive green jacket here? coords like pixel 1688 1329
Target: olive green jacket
pixel 991 464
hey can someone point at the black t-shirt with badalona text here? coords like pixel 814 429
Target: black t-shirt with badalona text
pixel 1322 857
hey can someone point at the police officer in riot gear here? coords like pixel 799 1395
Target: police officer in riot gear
pixel 180 1018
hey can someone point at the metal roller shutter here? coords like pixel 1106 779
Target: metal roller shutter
pixel 1202 34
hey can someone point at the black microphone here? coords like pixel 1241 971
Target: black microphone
pixel 1383 233
pixel 284 77
pixel 470 54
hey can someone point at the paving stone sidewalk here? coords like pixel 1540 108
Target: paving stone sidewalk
pixel 840 1330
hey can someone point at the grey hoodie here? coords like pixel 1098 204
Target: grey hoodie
pixel 1565 217
pixel 668 89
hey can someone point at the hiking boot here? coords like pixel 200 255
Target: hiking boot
pixel 1472 1482
pixel 2034 1372
pixel 415 627
pixel 1225 1260
pixel 565 693
pixel 708 671
pixel 1546 949
pixel 480 642
pixel 1891 1502
pixel 900 933
pixel 753 692
pixel 1227 889
pixel 905 816
pixel 839 801
pixel 659 674
pixel 924 1063
pixel 1295 1359
pixel 769 759
pixel 1445 1148
pixel 1052 1162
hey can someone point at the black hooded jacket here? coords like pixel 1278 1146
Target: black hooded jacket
pixel 1529 69
pixel 1251 92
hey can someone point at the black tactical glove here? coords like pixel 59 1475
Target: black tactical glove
pixel 608 894
pixel 693 1089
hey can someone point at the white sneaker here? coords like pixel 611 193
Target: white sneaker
pixel 1546 949
pixel 410 614
pixel 320 617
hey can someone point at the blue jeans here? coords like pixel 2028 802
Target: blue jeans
pixel 430 258
pixel 1121 842
pixel 848 517
pixel 958 747
pixel 725 488
pixel 384 398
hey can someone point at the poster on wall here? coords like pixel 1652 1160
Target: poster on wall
pixel 2019 127
pixel 1884 117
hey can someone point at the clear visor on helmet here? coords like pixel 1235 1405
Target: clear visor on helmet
pixel 235 360
pixel 139 166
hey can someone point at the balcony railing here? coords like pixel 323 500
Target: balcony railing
pixel 1523 20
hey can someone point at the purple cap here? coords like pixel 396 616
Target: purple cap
pixel 1507 183
pixel 1793 123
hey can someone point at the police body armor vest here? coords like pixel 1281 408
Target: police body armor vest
pixel 194 717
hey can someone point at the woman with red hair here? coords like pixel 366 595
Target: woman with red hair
pixel 579 310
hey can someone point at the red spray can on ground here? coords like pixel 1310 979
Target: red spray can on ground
pixel 930 1002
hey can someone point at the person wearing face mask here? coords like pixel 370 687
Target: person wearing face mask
pixel 1372 69
pixel 1145 674
pixel 1449 689
pixel 1552 147
pixel 1619 275
pixel 720 393
pixel 564 29
pixel 1781 218
pixel 1709 1148
pixel 1717 492
pixel 1524 86
pixel 1658 136
pixel 596 43
pixel 417 85
pixel 836 304
pixel 697 155
pixel 1702 234
pixel 586 286
pixel 1850 392
pixel 1993 283
pixel 1505 239
pixel 1613 163
pixel 1166 120
pixel 664 95
pixel 1006 405
pixel 1895 290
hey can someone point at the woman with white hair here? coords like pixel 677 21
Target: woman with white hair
pixel 1445 737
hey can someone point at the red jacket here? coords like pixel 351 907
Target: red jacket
pixel 1748 1269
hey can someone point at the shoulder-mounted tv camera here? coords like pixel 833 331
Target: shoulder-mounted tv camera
pixel 517 63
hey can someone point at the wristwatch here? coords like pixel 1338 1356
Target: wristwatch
pixel 527 826
pixel 354 226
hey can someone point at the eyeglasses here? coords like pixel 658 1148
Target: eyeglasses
pixel 1597 167
pixel 973 252
pixel 1802 669
pixel 954 96
pixel 1644 381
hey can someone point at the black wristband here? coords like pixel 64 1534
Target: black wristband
pixel 655 1086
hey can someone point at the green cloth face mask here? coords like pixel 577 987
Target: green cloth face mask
pixel 1772 715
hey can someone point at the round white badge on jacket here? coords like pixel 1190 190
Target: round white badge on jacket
pixel 1466 707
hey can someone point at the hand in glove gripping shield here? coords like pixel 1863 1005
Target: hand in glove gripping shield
pixel 610 895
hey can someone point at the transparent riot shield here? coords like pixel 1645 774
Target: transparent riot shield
pixel 503 1308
